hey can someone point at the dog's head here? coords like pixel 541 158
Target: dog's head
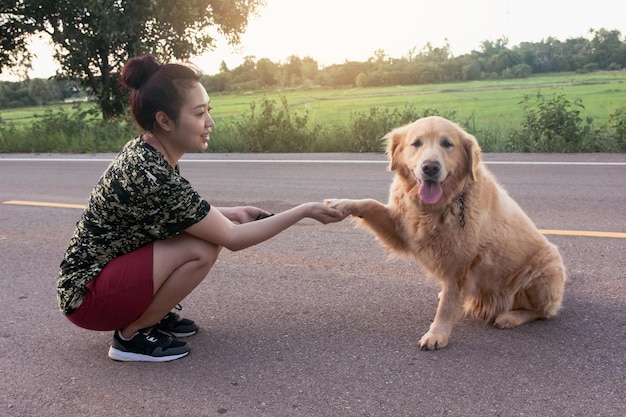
pixel 436 154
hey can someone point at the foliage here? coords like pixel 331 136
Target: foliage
pixel 367 129
pixel 271 128
pixel 614 132
pixel 78 130
pixel 94 38
pixel 552 124
pixel 355 120
pixel 617 121
pixel 555 124
pixel 37 92
pixel 606 50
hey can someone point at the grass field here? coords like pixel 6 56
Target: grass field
pixel 492 103
pixel 355 119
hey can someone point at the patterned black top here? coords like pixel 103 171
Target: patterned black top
pixel 140 198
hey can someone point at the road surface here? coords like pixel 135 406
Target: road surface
pixel 317 321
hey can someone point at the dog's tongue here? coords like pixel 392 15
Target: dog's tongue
pixel 430 192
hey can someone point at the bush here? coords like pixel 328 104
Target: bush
pixel 77 130
pixel 490 139
pixel 551 125
pixel 617 122
pixel 269 128
pixel 367 130
pixel 612 136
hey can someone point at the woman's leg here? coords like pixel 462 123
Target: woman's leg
pixel 180 264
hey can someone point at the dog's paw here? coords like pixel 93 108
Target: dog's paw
pixel 515 318
pixel 504 321
pixel 433 341
pixel 343 205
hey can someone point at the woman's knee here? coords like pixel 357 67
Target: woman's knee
pixel 194 249
pixel 172 253
pixel 205 252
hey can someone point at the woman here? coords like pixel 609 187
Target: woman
pixel 146 238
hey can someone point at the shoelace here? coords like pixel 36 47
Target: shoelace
pixel 153 332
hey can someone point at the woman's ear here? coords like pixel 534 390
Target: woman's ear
pixel 164 122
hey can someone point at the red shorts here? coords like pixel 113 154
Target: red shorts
pixel 119 294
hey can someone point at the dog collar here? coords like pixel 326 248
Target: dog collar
pixel 461 201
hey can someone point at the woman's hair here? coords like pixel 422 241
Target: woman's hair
pixel 156 87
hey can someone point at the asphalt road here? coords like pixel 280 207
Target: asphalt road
pixel 317 321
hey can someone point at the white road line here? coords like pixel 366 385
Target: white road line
pixel 553 163
pixel 587 233
pixel 312 161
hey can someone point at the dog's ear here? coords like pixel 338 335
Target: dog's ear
pixel 394 142
pixel 473 152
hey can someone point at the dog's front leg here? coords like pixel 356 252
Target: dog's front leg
pixel 377 217
pixel 448 312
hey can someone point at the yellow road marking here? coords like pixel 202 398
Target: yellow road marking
pixel 40 204
pixel 584 233
pixel 615 235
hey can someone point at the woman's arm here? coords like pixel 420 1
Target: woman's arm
pixel 216 228
pixel 241 214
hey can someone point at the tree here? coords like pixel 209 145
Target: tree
pixel 39 90
pixel 224 67
pixel 490 48
pixel 293 70
pixel 607 49
pixel 310 69
pixel 93 38
pixel 266 71
pixel 245 76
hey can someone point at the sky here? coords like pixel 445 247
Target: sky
pixel 333 31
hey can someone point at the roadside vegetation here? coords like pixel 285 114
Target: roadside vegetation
pixel 551 113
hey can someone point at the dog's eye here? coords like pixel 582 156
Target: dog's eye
pixel 417 143
pixel 445 143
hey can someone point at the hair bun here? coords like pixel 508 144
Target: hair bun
pixel 138 70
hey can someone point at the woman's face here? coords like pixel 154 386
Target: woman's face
pixel 192 130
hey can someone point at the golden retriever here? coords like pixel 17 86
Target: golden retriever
pixel 447 210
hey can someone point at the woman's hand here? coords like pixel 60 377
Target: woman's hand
pixel 324 214
pixel 242 214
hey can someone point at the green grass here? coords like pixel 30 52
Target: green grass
pixel 490 102
pixel 492 107
pixel 25 116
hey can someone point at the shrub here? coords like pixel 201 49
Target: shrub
pixel 617 122
pixel 63 130
pixel 551 125
pixel 611 137
pixel 271 128
pixel 367 130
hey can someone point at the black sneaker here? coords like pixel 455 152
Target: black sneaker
pixel 148 345
pixel 173 324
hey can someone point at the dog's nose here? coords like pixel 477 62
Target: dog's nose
pixel 431 168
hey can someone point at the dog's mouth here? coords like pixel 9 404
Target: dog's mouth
pixel 430 191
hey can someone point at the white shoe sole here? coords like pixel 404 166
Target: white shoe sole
pixel 178 335
pixel 120 355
